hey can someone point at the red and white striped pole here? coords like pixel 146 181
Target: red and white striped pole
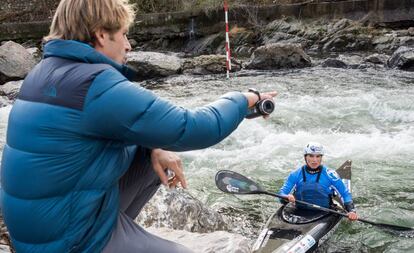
pixel 228 57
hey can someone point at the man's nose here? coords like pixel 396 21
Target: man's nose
pixel 128 46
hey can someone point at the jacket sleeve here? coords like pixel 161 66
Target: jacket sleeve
pixel 121 110
pixel 288 186
pixel 337 182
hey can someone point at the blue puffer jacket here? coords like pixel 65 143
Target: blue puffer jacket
pixel 72 133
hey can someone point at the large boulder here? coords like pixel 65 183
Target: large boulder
pixel 402 58
pixel 179 210
pixel 15 62
pixel 334 63
pixel 279 55
pixel 208 64
pixel 216 242
pixel 153 64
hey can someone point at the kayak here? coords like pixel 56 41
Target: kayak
pixel 294 230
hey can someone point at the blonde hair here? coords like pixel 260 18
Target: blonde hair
pixel 80 19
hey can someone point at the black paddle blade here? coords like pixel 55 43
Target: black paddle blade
pixel 389 226
pixel 232 182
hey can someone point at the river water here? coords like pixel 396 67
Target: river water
pixel 363 115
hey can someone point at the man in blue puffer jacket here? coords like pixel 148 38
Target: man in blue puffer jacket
pixel 315 183
pixel 86 148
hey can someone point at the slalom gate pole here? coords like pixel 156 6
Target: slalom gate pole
pixel 228 56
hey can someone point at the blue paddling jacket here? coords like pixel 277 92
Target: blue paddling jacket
pixel 316 188
pixel 73 132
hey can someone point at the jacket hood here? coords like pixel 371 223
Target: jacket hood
pixel 82 52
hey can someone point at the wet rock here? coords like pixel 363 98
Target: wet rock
pixel 339 25
pixel 385 43
pixel 153 64
pixel 216 242
pixel 407 41
pixel 279 55
pixel 15 62
pixel 286 38
pixel 347 42
pixel 334 63
pixel 207 45
pixel 242 41
pixel 377 58
pixel 353 61
pixel 11 89
pixel 402 58
pixel 243 51
pixel 410 31
pixel 179 210
pixel 208 64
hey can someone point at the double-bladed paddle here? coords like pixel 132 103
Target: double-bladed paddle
pixel 235 183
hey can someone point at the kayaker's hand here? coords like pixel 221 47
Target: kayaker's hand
pixel 291 198
pixel 352 216
pixel 163 160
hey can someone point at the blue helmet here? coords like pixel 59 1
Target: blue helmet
pixel 313 148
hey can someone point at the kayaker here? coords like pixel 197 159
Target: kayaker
pixel 86 147
pixel 315 183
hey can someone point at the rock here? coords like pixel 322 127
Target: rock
pixel 410 31
pixel 133 43
pixel 15 62
pixel 402 58
pixel 11 89
pixel 282 26
pixel 407 41
pixel 351 60
pixel 178 210
pixel 278 55
pixel 243 51
pixel 153 64
pixel 215 242
pixel 5 249
pixel 207 45
pixel 208 64
pixel 334 63
pixel 383 39
pixel 340 25
pixel 348 42
pixel 36 53
pixel 377 58
pixel 277 37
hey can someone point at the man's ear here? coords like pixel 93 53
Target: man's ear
pixel 100 35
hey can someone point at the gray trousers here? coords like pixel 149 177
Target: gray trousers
pixel 137 186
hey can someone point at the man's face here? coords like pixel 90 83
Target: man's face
pixel 313 161
pixel 114 46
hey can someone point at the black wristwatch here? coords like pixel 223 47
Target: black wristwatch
pixel 253 90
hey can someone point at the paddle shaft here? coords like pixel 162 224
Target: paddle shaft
pixel 336 212
pixel 303 203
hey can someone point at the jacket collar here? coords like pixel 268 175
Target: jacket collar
pixel 82 52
